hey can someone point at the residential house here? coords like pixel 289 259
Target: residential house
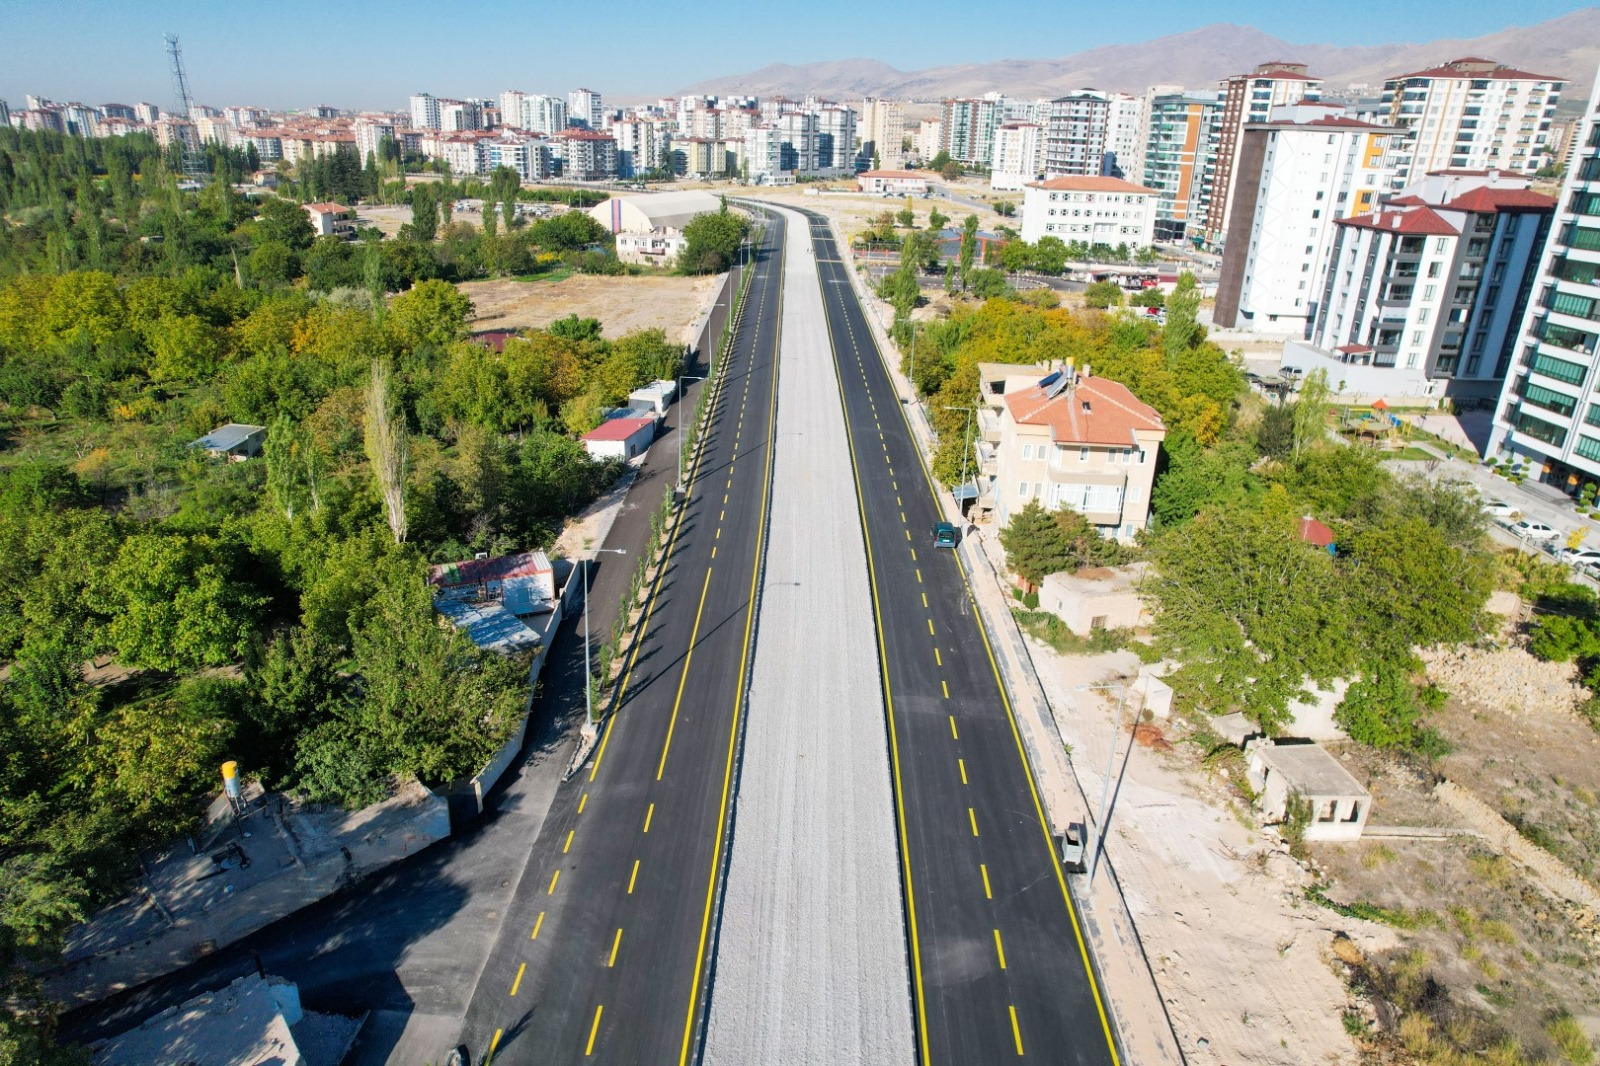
pixel 235 440
pixel 620 438
pixel 1339 805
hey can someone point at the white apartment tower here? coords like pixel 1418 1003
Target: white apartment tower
pixel 1549 413
pixel 513 108
pixel 424 112
pixel 1472 114
pixel 544 114
pixel 1247 100
pixel 883 128
pixel 1296 175
pixel 1018 155
pixel 584 107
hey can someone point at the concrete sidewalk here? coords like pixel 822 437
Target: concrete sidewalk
pixel 1144 1030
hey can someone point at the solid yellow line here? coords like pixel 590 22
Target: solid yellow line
pixel 733 726
pixel 961 764
pixel 650 812
pixel 633 876
pixel 537 922
pixel 894 742
pixel 987 892
pixel 516 984
pixel 973 818
pixel 683 678
pixel 1016 1034
pixel 493 1043
pixel 570 834
pixel 582 801
pixel 553 879
pixel 953 734
pixel 1000 949
pixel 594 1030
pixel 617 943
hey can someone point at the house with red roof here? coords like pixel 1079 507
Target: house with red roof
pixel 1068 439
pixel 1423 297
pixel 1091 209
pixel 620 438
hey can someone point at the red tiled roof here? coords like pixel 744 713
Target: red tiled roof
pixel 618 428
pixel 472 571
pixel 1330 122
pixel 1406 201
pixel 1313 532
pixel 1112 417
pixel 1418 221
pixel 1090 184
pixel 1451 70
pixel 1485 200
pixel 327 209
pixel 1352 349
pixel 1282 75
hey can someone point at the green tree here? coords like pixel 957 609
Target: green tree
pixel 711 240
pixel 988 283
pixel 1050 256
pixel 1410 587
pixel 1102 294
pixel 1275 434
pixel 284 222
pixel 424 225
pixel 937 221
pixel 1182 331
pixel 906 216
pixel 1035 543
pixel 431 312
pixel 1310 409
pixel 969 248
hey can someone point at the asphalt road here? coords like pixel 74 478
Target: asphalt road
pixel 1000 968
pixel 605 951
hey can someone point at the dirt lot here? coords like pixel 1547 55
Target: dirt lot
pixel 622 304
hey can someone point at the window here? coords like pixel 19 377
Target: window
pixel 1441 245
pixel 1433 270
pixel 1565 337
pixel 1592 415
pixel 1585 203
pixel 1422 315
pixel 1576 270
pixel 1539 429
pixel 1588 447
pixel 1083 455
pixel 1549 399
pixel 1027 451
pixel 1428 291
pixel 1587 240
pixel 1568 304
pixel 1558 369
pixel 1022 490
pixel 1038 490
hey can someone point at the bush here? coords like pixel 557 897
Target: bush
pixel 1103 294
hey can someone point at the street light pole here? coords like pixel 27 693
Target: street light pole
pixel 1111 761
pixel 588 672
pixel 681 399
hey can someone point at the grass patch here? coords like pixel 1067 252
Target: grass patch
pixel 1407 454
pixel 1398 917
pixel 1377 856
pixel 1567 1035
pixel 1048 629
pixel 560 273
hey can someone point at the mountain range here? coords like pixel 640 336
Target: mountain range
pixel 1566 47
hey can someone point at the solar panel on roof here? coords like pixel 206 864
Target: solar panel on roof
pixel 1049 379
pixel 1055 389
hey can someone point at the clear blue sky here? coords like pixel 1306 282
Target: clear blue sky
pixel 372 54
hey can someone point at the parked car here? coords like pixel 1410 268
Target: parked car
pixel 1290 371
pixel 1500 509
pixel 945 535
pixel 1579 557
pixel 1533 530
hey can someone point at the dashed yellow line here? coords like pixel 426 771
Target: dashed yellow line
pixel 617 943
pixel 517 982
pixel 582 800
pixel 594 1030
pixel 937 658
pixel 553 879
pixel 953 734
pixel 650 812
pixel 988 893
pixel 1000 949
pixel 1016 1031
pixel 537 922
pixel 633 876
pixel 961 764
pixel 493 1043
pixel 946 686
pixel 570 834
pixel 972 818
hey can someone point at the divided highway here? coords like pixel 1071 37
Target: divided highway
pixel 999 964
pixel 604 954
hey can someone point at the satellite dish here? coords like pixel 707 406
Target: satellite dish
pixel 1055 388
pixel 1050 379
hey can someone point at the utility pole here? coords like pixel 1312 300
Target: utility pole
pixel 190 164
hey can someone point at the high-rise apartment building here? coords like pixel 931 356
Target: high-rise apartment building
pixel 424 112
pixel 585 108
pixel 371 131
pixel 544 114
pixel 513 108
pixel 1424 297
pixel 1296 174
pixel 1549 412
pixel 967 128
pixel 1018 155
pixel 1247 99
pixel 460 116
pixel 882 130
pixel 1075 134
pixel 836 139
pixel 1180 155
pixel 1472 114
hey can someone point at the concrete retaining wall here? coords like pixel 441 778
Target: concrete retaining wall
pixel 1553 875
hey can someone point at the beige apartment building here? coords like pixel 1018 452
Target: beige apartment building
pixel 1069 440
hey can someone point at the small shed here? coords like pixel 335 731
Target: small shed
pixel 620 438
pixel 1339 805
pixel 235 440
pixel 524 581
pixel 657 396
pixel 1102 598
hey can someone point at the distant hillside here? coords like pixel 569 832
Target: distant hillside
pixel 1567 47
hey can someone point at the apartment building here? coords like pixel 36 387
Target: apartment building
pixel 585 108
pixel 1248 100
pixel 424 112
pixel 643 145
pixel 1549 411
pixel 883 129
pixel 1018 155
pixel 1472 114
pixel 1424 297
pixel 1068 439
pixel 836 140
pixel 586 155
pixel 928 139
pixel 1295 176
pixel 967 129
pixel 1075 134
pixel 1182 132
pixel 527 154
pixel 1092 210
pixel 371 131
pixel 460 116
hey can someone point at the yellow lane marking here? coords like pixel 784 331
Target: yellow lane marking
pixel 733 727
pixel 972 817
pixel 724 499
pixel 897 502
pixel 925 603
pixel 1016 1033
pixel 594 1030
pixel 953 734
pixel 930 627
pixel 914 559
pixel 719 537
pixel 895 485
pixel 721 515
pixel 583 799
pixel 683 679
pixel 919 577
pixel 537 922
pixel 908 534
pixel 617 943
pixel 650 812
pixel 553 879
pixel 493 1043
pixel 570 834
pixel 713 551
pixel 1000 949
pixel 633 876
pixel 517 983
pixel 987 892
pixel 937 658
pixel 961 764
pixel 946 686
pixel 902 516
